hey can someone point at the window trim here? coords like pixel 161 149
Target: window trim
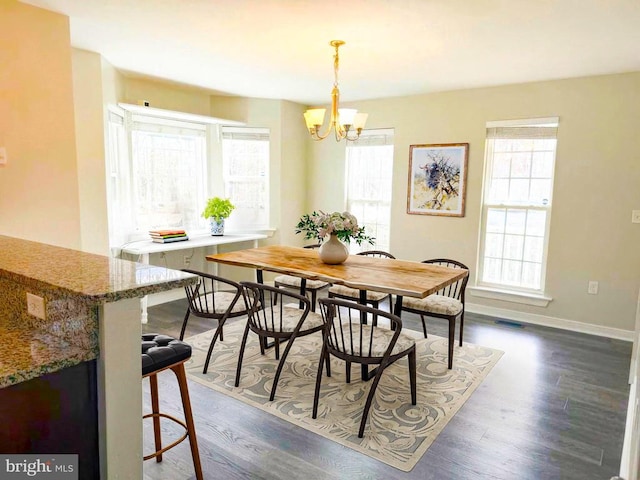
pixel 517 294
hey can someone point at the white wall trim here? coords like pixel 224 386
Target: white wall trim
pixel 510 296
pixel 547 321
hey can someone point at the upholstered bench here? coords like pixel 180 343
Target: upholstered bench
pixel 162 352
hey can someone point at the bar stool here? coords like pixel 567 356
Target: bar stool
pixel 162 352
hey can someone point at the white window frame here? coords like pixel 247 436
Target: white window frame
pixel 370 138
pixel 251 134
pixel 502 291
pixel 119 166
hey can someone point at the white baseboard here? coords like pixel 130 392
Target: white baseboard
pixel 547 321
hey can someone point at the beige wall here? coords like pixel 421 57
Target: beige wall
pixel 39 185
pixel 90 129
pixel 596 185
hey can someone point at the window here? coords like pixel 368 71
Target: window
pixel 245 159
pixel 516 210
pixel 369 169
pixel 169 171
pixel 162 168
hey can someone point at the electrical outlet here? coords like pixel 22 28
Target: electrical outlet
pixel 3 155
pixel 35 306
pixel 187 260
pixel 635 216
pixel 593 287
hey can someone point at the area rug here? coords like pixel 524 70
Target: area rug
pixel 397 433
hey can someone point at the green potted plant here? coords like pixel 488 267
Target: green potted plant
pixel 216 211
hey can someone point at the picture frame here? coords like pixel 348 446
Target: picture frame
pixel 437 179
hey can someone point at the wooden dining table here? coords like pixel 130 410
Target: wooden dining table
pixel 398 277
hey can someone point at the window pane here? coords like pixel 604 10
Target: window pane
pixel 245 159
pixel 501 165
pixel 492 272
pixel 513 247
pixel 540 192
pixel 516 221
pixel 511 271
pixel 519 190
pixel 542 165
pixel 536 222
pixel 496 220
pixel 369 169
pixel 168 179
pixel 499 191
pixel 493 245
pixel 533 247
pixel 521 165
pixel 531 273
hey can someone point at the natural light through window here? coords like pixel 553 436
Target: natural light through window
pixel 369 169
pixel 518 187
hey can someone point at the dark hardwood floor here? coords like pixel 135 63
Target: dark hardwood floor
pixel 552 408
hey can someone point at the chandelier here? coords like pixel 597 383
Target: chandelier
pixel 347 123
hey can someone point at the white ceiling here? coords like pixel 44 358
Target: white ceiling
pixel 280 48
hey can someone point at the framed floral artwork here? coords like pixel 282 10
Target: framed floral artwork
pixel 437 179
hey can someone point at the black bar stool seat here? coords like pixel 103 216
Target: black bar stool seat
pixel 162 352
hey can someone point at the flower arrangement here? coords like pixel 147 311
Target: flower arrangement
pixel 344 225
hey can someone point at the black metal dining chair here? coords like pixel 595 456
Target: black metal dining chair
pixel 215 298
pixel 347 338
pixel 447 303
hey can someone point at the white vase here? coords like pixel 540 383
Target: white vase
pixel 333 251
pixel 217 228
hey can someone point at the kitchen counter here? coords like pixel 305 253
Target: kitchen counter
pixel 87 346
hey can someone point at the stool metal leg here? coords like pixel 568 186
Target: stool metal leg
pixel 155 408
pixel 188 415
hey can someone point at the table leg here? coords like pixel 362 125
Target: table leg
pixel 364 369
pixel 303 290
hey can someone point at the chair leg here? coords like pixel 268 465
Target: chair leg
pixel 452 339
pixel 155 408
pixel 313 300
pixel 347 371
pixel 424 325
pixel 316 395
pixel 461 325
pixel 412 375
pixel 276 344
pixel 281 365
pixel 188 416
pixel 184 323
pixel 244 342
pixel 213 343
pixel 367 406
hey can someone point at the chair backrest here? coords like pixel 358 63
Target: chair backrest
pixel 315 245
pixel 347 336
pixel 212 295
pixel 270 309
pixel 456 289
pixel 377 254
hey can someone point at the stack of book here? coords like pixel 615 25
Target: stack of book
pixel 168 236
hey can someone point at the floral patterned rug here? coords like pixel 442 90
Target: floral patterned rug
pixel 397 433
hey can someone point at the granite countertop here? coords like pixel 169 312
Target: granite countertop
pixel 97 278
pixel 28 354
pixel 73 284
